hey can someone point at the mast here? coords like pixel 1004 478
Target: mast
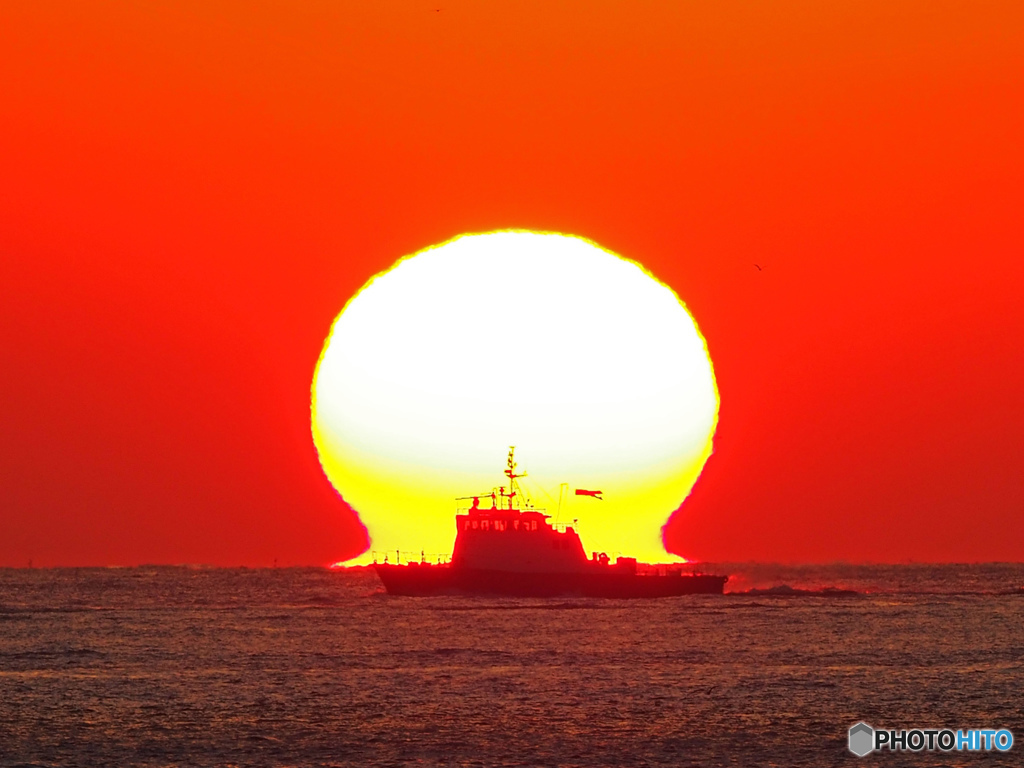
pixel 563 491
pixel 510 473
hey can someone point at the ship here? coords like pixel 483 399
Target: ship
pixel 511 549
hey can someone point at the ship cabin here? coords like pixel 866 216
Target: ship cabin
pixel 507 538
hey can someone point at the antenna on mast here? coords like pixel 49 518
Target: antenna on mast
pixel 563 491
pixel 510 473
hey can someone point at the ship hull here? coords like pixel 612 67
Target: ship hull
pixel 415 580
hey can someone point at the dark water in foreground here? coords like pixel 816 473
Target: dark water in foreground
pixel 304 667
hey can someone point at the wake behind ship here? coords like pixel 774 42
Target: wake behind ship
pixel 512 551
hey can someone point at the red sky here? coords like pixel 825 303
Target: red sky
pixel 189 194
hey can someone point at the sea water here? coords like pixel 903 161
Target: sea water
pixel 182 666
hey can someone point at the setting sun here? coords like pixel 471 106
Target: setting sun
pixel 579 357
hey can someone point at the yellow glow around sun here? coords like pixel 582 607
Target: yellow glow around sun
pixel 586 363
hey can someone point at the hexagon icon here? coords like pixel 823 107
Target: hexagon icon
pixel 861 739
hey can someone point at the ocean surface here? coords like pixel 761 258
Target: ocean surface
pixel 182 666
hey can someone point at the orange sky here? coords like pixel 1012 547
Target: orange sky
pixel 188 196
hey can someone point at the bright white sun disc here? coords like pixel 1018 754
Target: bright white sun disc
pixel 580 358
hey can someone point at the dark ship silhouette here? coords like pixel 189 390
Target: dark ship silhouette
pixel 513 551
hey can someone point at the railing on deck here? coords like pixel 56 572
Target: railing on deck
pixel 401 556
pixel 467 510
